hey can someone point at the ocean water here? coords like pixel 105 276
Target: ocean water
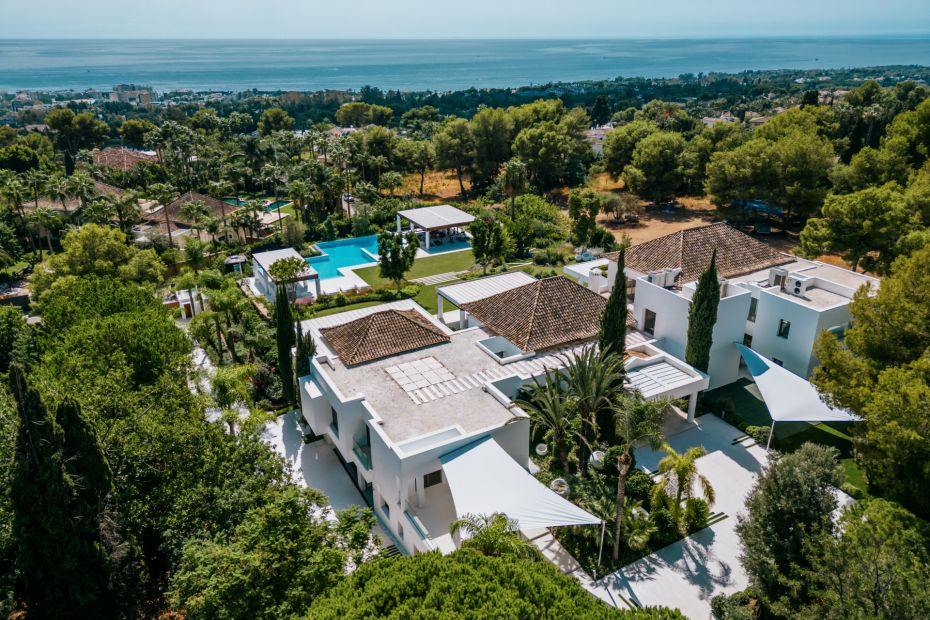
pixel 420 64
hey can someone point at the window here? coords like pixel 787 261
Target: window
pixel 649 322
pixel 400 531
pixel 753 306
pixel 783 328
pixel 779 280
pixel 432 478
pixel 385 509
pixel 334 421
pixel 747 340
pixel 778 361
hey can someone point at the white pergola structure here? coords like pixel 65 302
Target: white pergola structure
pixel 473 290
pixel 789 398
pixel 439 217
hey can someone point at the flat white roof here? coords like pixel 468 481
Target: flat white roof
pixel 266 259
pixel 482 288
pixel 439 216
pixel 658 378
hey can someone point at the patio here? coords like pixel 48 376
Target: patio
pixel 440 226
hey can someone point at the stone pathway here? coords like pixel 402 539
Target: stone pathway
pixel 439 278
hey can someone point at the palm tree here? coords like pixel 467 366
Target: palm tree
pixel 81 187
pixel 58 187
pixel 164 194
pixel 195 211
pixel 213 226
pixel 220 190
pixel 126 208
pixel 44 219
pixel 514 179
pixel 35 180
pixel 636 420
pixel 299 192
pixel 194 254
pixel 494 535
pixel 678 473
pixel 549 409
pixel 14 194
pixel 98 211
pixel 593 378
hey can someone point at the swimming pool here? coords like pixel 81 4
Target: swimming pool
pixel 277 203
pixel 344 253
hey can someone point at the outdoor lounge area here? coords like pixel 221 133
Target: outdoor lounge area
pixel 440 228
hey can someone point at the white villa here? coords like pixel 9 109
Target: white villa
pixel 421 412
pixel 770 301
pixel 307 284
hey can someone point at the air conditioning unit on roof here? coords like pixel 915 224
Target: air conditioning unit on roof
pixel 796 284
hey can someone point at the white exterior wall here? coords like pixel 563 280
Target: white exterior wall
pixel 263 281
pixel 396 475
pixel 671 328
pixel 796 351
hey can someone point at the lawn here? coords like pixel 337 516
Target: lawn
pixel 338 309
pixel 789 436
pixel 422 267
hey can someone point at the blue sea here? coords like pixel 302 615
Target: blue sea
pixel 421 64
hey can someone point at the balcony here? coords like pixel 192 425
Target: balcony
pixel 420 530
pixel 363 454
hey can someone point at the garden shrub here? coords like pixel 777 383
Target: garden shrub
pixel 639 485
pixel 696 514
pixel 737 606
pixel 666 527
pixel 852 490
pixel 759 434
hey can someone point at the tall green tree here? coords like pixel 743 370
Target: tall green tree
pixel 702 316
pixel 74 132
pixel 489 241
pixel 455 148
pixel 284 330
pixel 514 180
pixel 584 206
pixel 636 421
pixel 655 170
pixel 613 324
pixel 593 379
pixel 550 411
pixel 677 476
pixel 274 119
pixel 788 508
pixel 492 132
pixel 396 253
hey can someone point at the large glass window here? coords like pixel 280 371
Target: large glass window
pixel 334 421
pixel 649 322
pixel 432 478
pixel 783 328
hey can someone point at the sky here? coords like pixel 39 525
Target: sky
pixel 312 19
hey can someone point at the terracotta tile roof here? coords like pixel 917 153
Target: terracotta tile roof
pixel 541 315
pixel 214 206
pixel 690 250
pixel 382 334
pixel 121 159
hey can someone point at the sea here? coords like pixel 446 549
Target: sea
pixel 436 65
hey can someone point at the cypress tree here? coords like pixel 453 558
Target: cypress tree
pixel 703 316
pixel 613 323
pixel 284 322
pixel 305 350
pixel 47 533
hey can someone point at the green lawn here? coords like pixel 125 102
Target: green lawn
pixel 422 267
pixel 338 309
pixel 789 436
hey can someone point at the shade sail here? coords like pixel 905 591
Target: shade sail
pixel 484 479
pixel 789 398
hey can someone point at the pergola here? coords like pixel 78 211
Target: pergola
pixel 439 217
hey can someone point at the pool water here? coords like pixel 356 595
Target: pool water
pixel 344 253
pixel 236 202
pixel 277 203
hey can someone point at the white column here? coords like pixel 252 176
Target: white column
pixel 316 282
pixel 463 319
pixel 398 223
pixel 440 310
pixel 692 406
pixel 427 239
pixel 421 492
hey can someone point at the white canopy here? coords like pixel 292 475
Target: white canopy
pixel 484 479
pixel 439 216
pixel 789 398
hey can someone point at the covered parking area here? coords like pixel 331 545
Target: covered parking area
pixel 439 225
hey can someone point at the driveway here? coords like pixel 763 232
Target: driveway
pixel 315 466
pixel 688 573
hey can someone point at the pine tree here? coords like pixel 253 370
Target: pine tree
pixel 284 321
pixel 613 323
pixel 703 316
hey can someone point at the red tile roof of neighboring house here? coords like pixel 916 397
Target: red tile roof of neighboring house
pixel 541 315
pixel 121 158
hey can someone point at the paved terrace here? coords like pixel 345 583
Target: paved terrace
pixel 448 380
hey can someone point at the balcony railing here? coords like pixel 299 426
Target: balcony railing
pixel 363 453
pixel 420 530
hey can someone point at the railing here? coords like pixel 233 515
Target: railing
pixel 363 453
pixel 420 530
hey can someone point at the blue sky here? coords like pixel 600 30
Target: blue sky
pixel 463 18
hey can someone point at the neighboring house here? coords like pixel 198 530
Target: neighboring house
pixel 596 137
pixel 771 301
pixel 402 398
pixel 307 285
pixel 726 117
pixel 73 204
pixel 121 159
